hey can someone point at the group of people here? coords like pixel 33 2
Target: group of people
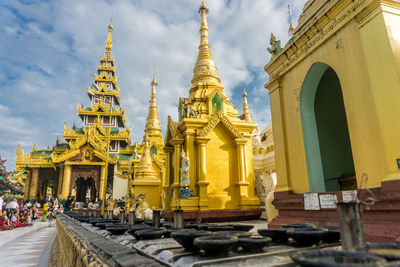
pixel 16 214
pixel 19 213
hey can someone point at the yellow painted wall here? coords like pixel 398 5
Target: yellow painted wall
pixel 367 67
pixel 120 187
pixel 382 54
pixel 221 166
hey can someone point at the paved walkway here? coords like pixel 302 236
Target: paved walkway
pixel 27 246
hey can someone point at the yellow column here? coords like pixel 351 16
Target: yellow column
pixel 202 182
pixel 283 182
pixel 175 186
pixel 66 182
pixel 167 186
pixel 243 184
pixel 383 24
pixel 27 186
pixel 34 184
pixel 102 183
pixel 60 180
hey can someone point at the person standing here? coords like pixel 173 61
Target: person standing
pixel 20 205
pixel 68 204
pixel 13 205
pixel 45 210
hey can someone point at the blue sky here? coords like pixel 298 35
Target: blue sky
pixel 50 50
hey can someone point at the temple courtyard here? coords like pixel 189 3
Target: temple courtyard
pixel 212 133
pixel 28 246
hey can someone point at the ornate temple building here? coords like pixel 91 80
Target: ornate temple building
pixel 215 142
pixel 334 91
pixel 203 166
pixel 97 158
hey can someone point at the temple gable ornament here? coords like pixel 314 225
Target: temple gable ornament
pixel 213 122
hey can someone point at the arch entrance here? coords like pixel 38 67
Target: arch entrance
pixel 85 182
pixel 327 143
pixel 85 189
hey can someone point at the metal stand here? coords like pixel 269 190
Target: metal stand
pixel 178 218
pixel 122 216
pixel 132 217
pixel 351 226
pixel 156 218
pixel 109 214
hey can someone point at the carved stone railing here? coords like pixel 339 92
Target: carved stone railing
pixel 77 246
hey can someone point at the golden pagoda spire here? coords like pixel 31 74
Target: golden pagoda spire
pixel 246 111
pixel 152 121
pixel 205 69
pixel 109 39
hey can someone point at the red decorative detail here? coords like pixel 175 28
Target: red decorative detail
pixel 78 157
pixel 381 220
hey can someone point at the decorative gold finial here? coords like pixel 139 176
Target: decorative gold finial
pixel 19 150
pixel 205 69
pixel 204 7
pixel 152 121
pixel 154 81
pixel 109 38
pixel 246 111
pixel 291 26
pixel 272 40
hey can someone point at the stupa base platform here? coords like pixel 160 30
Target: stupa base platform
pixel 216 215
pixel 381 220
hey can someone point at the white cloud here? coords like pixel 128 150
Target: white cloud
pixel 50 51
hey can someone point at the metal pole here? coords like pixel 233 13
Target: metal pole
pixel 108 151
pixel 131 217
pixel 122 216
pixel 178 218
pixel 351 226
pixel 156 218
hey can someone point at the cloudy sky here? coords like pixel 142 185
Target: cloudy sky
pixel 50 50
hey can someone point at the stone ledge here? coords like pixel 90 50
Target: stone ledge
pixel 76 246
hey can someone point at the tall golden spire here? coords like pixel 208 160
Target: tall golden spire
pixel 246 111
pixel 205 69
pixel 152 121
pixel 109 39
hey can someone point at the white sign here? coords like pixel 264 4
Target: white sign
pixel 328 201
pixel 349 196
pixel 311 201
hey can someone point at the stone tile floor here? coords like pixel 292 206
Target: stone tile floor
pixel 27 246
